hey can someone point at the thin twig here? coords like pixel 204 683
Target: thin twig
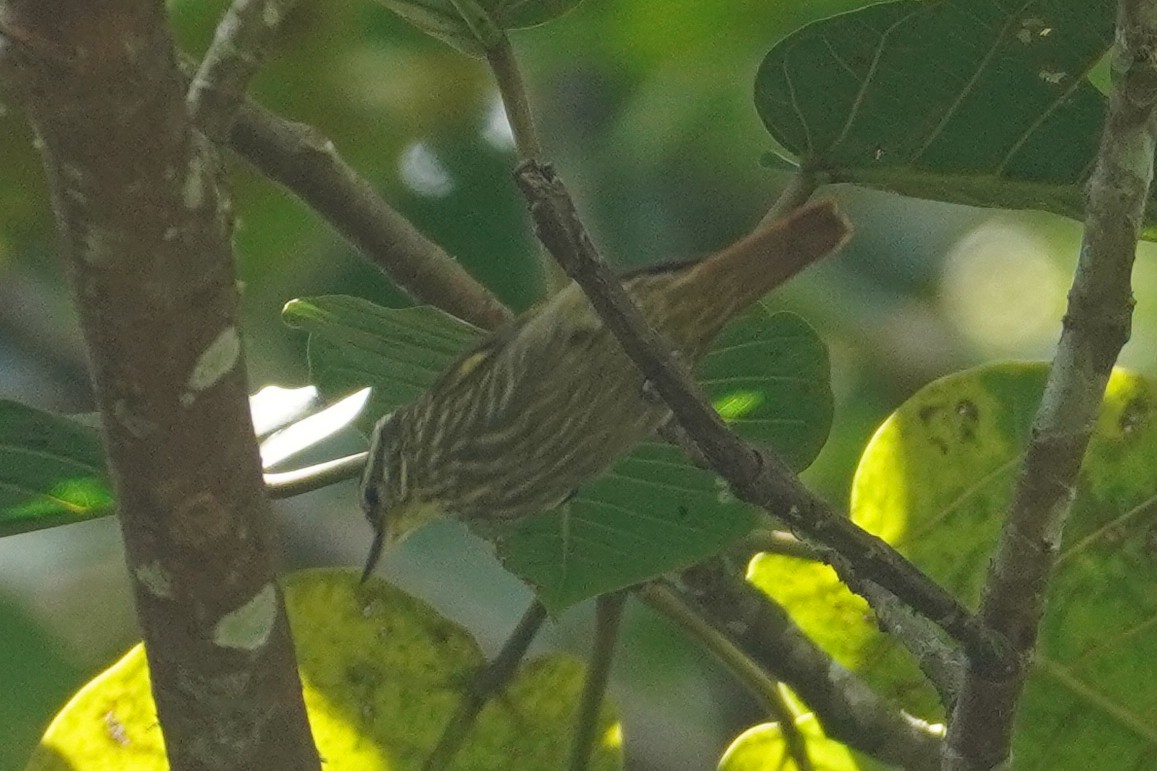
pixel 608 612
pixel 1096 326
pixel 239 48
pixel 286 484
pixel 484 686
pixel 756 476
pixel 512 88
pixel 516 103
pixel 666 600
pixel 779 543
pixel 941 661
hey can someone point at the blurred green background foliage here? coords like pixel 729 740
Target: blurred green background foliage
pixel 645 106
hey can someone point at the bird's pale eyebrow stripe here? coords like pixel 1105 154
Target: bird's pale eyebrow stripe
pixel 375 462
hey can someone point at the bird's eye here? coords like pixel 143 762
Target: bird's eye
pixel 374 472
pixel 370 500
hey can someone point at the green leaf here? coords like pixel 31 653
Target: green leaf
pixel 982 103
pixel 52 471
pixel 762 748
pixel 936 482
pixel 768 376
pixel 38 672
pixel 841 623
pixel 654 511
pixel 381 674
pixel 354 344
pixel 440 19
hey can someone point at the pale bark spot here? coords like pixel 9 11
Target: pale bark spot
pixel 248 627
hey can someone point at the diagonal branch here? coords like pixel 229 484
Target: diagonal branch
pixel 1096 326
pixel 307 164
pixel 941 661
pixel 748 632
pixel 756 476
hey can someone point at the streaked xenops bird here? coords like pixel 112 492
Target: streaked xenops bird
pixel 549 401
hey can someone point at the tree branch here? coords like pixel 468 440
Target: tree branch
pixel 238 50
pixel 1096 326
pixel 307 164
pixel 689 617
pixel 942 662
pixel 143 223
pixel 756 476
pixel 516 103
pixel 848 709
pixel 764 539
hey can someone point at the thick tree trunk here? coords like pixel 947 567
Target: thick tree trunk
pixel 144 226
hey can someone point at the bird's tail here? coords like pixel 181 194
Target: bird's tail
pixel 723 285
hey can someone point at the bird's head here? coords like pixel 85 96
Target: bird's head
pixel 387 499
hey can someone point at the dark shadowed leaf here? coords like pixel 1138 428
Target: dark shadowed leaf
pixel 768 376
pixel 440 19
pixel 654 512
pixel 52 470
pixel 982 103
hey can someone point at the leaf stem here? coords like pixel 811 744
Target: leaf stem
pixel 515 101
pixel 800 187
pixel 516 104
pixel 478 19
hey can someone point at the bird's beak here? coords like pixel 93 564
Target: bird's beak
pixel 393 527
pixel 375 555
